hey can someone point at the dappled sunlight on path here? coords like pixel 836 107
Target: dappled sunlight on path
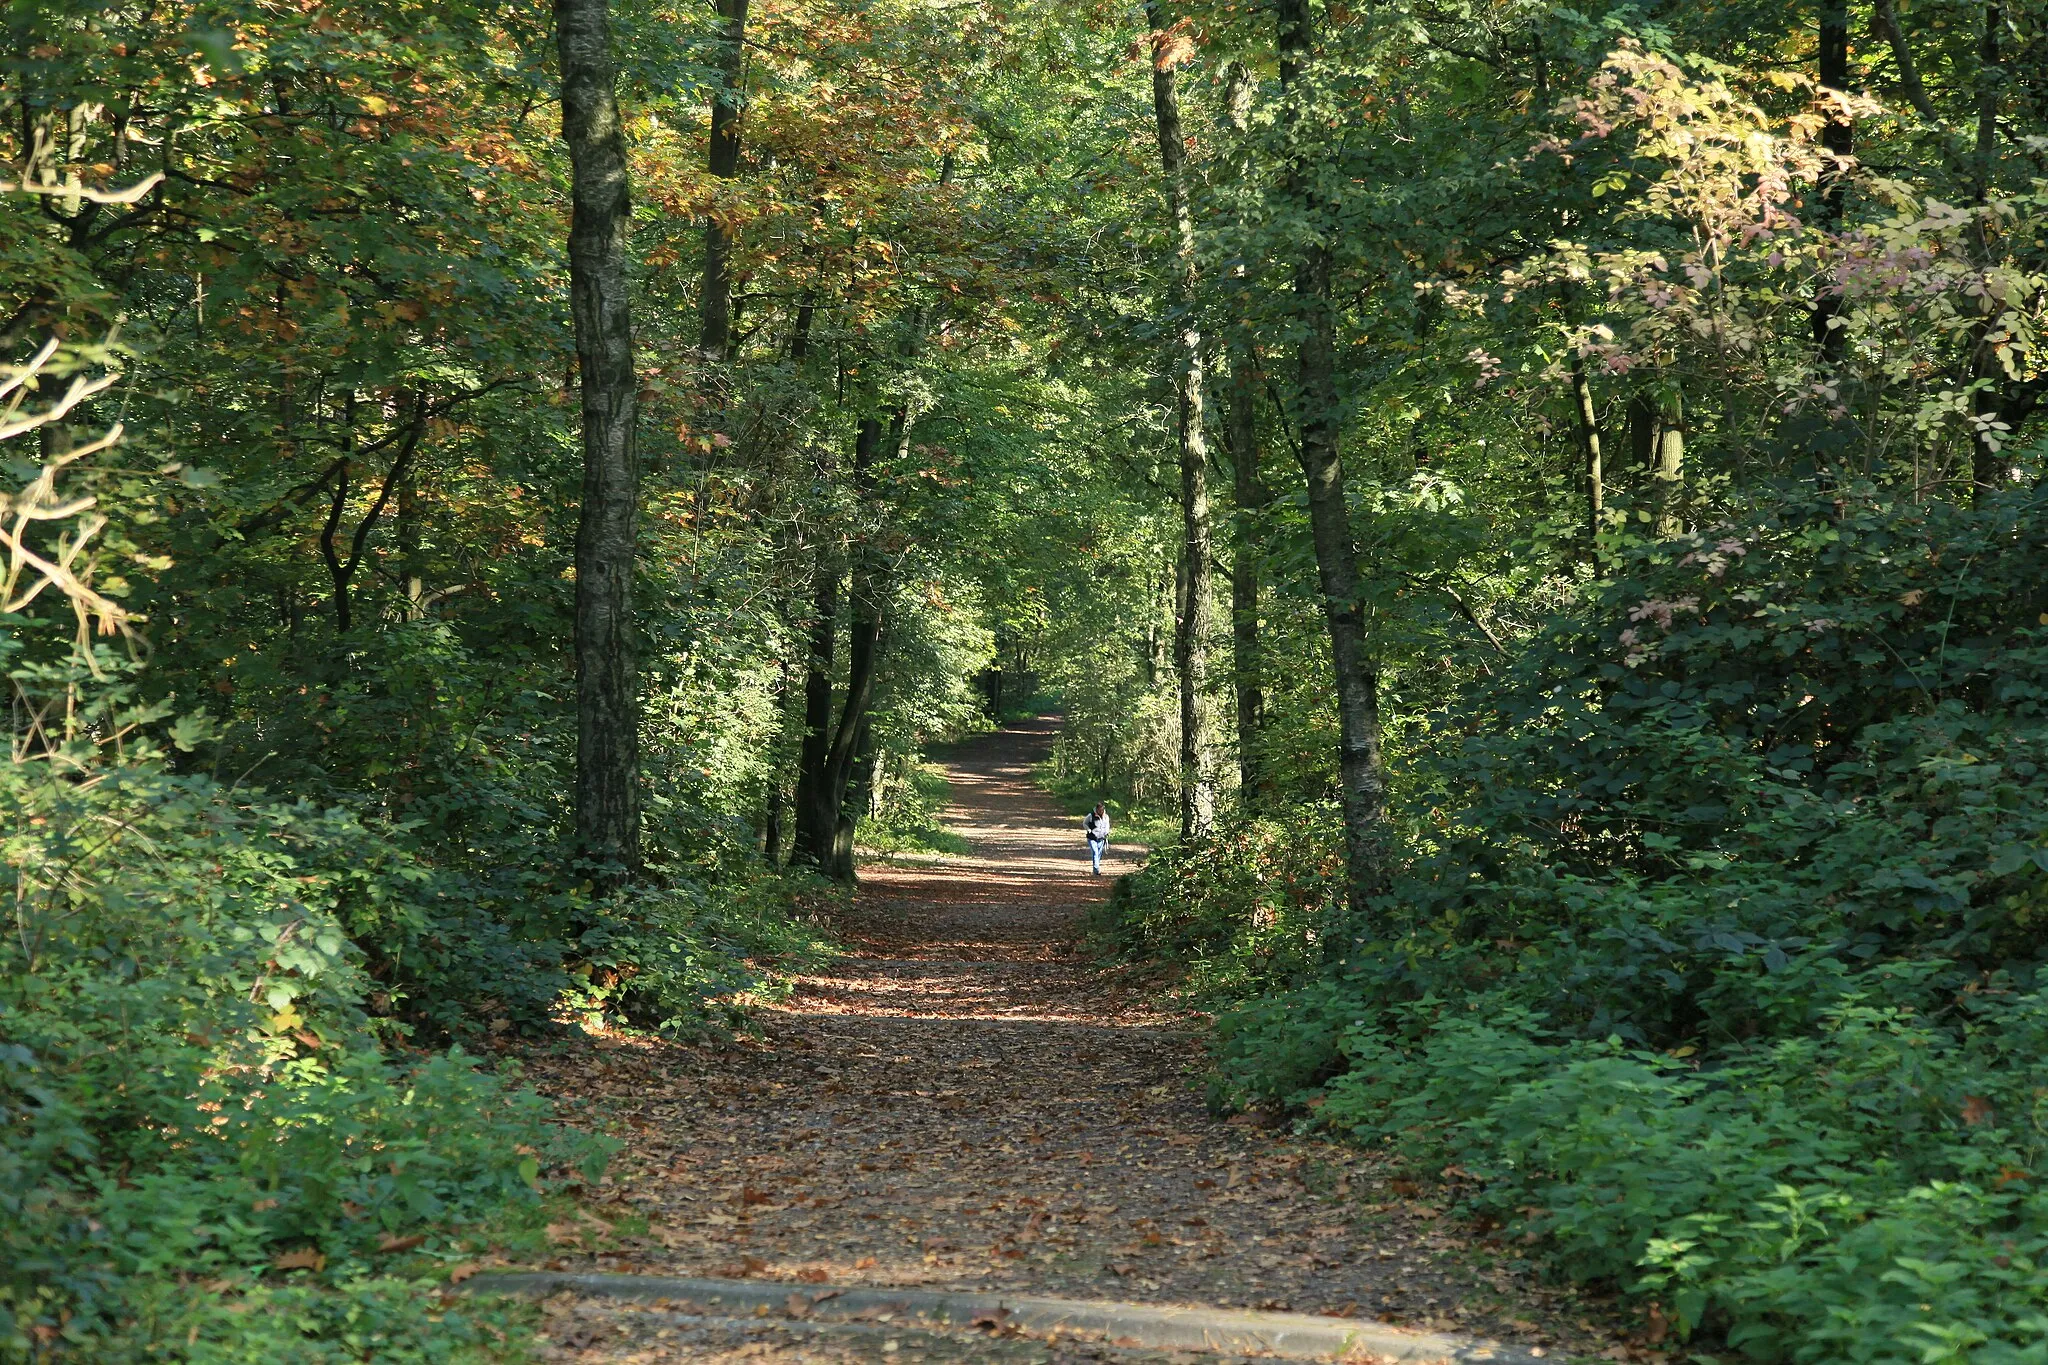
pixel 964 1101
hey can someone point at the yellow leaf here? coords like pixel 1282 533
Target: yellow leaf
pixel 376 105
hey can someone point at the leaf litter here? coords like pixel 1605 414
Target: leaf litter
pixel 965 1102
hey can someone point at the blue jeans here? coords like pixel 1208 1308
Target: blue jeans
pixel 1095 847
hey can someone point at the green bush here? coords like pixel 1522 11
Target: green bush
pixel 1713 964
pixel 688 958
pixel 191 1090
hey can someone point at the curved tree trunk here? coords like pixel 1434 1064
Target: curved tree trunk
pixel 607 712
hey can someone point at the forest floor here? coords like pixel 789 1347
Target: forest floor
pixel 965 1102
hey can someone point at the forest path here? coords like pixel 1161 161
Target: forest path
pixel 965 1102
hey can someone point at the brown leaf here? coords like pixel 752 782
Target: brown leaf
pixel 395 1243
pixel 813 1275
pixel 864 1263
pixel 797 1306
pixel 1976 1109
pixel 305 1258
pixel 457 1274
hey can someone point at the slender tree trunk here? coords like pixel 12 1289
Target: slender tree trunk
pixel 815 813
pixel 1241 434
pixel 411 564
pixel 607 710
pixel 1669 474
pixel 1589 447
pixel 715 299
pixel 1990 467
pixel 863 659
pixel 771 815
pixel 1192 626
pixel 1248 671
pixel 1362 776
pixel 868 593
pixel 1838 137
pixel 1642 431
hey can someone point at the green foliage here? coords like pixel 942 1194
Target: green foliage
pixel 1713 965
pixel 688 959
pixel 1242 911
pixel 190 1086
pixel 910 820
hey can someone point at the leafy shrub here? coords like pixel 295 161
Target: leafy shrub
pixel 191 1090
pixel 688 958
pixel 1713 966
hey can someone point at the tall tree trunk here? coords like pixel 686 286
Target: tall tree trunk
pixel 1838 137
pixel 1588 416
pixel 815 814
pixel 607 710
pixel 1241 435
pixel 1248 666
pixel 868 594
pixel 715 299
pixel 1361 772
pixel 1669 474
pixel 1192 624
pixel 826 762
pixel 774 797
pixel 411 564
pixel 1990 467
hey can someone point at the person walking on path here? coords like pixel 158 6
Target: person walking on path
pixel 1097 828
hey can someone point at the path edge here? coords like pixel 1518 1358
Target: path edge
pixel 1296 1336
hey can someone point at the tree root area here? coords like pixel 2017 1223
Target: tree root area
pixel 964 1101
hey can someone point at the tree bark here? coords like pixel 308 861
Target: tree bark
pixel 1589 447
pixel 827 759
pixel 1241 435
pixel 814 814
pixel 1839 138
pixel 1192 624
pixel 1669 474
pixel 1248 670
pixel 1361 772
pixel 715 298
pixel 1990 467
pixel 607 702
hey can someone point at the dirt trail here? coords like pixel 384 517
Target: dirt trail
pixel 965 1102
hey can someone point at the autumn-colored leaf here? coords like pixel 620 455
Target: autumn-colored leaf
pixel 305 1258
pixel 395 1243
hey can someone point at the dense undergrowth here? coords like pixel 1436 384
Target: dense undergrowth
pixel 222 1138
pixel 1713 969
